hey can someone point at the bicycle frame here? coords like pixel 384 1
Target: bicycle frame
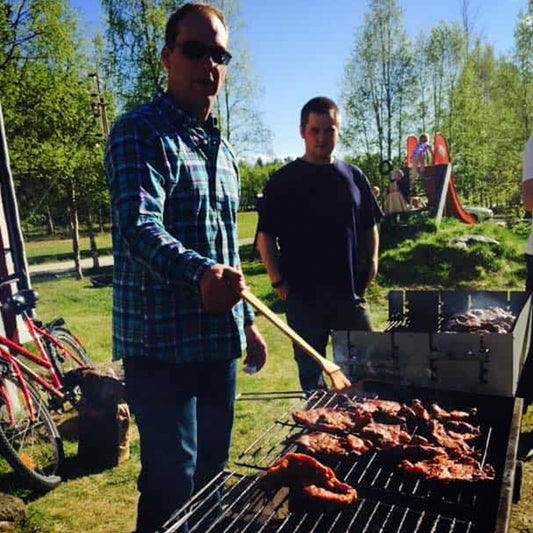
pixel 11 351
pixel 19 368
pixel 20 378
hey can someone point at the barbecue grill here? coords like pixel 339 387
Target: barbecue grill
pixel 413 349
pixel 389 501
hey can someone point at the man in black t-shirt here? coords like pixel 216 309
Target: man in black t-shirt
pixel 318 213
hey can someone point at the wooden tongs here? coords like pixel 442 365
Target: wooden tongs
pixel 339 381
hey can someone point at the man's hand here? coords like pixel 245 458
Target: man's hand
pixel 220 288
pixel 256 348
pixel 282 291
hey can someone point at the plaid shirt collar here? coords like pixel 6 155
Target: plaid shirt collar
pixel 179 116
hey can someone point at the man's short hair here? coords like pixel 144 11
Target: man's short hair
pixel 171 29
pixel 321 105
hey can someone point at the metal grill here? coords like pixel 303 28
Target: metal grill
pixel 246 508
pixel 428 310
pixel 389 501
pixel 413 349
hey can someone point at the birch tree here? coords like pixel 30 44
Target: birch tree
pixel 378 81
pixel 135 37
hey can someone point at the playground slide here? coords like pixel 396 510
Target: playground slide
pixel 411 143
pixel 453 205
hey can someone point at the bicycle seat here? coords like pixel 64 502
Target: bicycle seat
pixel 22 301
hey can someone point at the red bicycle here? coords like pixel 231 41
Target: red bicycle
pixel 29 438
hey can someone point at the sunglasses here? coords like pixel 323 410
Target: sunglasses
pixel 196 50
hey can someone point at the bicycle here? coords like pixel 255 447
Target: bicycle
pixel 29 438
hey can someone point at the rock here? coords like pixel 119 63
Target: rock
pixel 12 512
pixel 468 240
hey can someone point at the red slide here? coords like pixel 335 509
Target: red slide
pixel 453 206
pixel 411 143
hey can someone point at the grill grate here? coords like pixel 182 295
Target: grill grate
pixel 245 508
pixel 374 471
pixel 389 502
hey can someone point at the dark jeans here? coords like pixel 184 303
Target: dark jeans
pixel 313 320
pixel 184 413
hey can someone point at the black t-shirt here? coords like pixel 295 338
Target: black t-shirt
pixel 318 213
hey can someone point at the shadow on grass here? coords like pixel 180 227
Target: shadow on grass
pixel 56 258
pixel 87 273
pixel 13 484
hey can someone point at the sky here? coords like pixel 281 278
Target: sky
pixel 299 48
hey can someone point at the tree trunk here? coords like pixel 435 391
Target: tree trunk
pixel 100 220
pixel 50 228
pixel 74 225
pixel 92 240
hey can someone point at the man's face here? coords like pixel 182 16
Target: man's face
pixel 320 136
pixel 194 83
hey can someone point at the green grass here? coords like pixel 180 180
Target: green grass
pixel 40 250
pixel 415 256
pixel 51 251
pixel 247 222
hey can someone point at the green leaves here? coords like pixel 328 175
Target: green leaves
pixel 450 81
pixel 46 100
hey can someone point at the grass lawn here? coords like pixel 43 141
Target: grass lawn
pixel 104 502
pixel 55 250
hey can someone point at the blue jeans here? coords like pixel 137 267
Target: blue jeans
pixel 184 413
pixel 314 319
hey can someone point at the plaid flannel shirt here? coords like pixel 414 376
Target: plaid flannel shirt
pixel 174 188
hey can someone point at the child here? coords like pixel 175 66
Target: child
pixel 395 201
pixel 419 156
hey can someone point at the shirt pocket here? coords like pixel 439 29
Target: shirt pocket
pixel 187 191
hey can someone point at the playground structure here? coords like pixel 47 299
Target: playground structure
pixel 437 182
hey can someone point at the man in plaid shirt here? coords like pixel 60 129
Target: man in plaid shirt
pixel 178 322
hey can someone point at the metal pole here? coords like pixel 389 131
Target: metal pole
pixel 9 201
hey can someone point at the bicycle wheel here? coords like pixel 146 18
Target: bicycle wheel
pixel 33 448
pixel 63 362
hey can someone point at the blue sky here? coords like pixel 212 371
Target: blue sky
pixel 299 48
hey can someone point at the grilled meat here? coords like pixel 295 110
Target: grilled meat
pixel 464 430
pixel 489 320
pixel 309 479
pixel 385 435
pixel 440 450
pixel 442 468
pixel 377 405
pixel 357 445
pixel 419 452
pixel 328 419
pixel 333 446
pixel 441 414
pixel 382 410
pixel 455 444
pixel 416 410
